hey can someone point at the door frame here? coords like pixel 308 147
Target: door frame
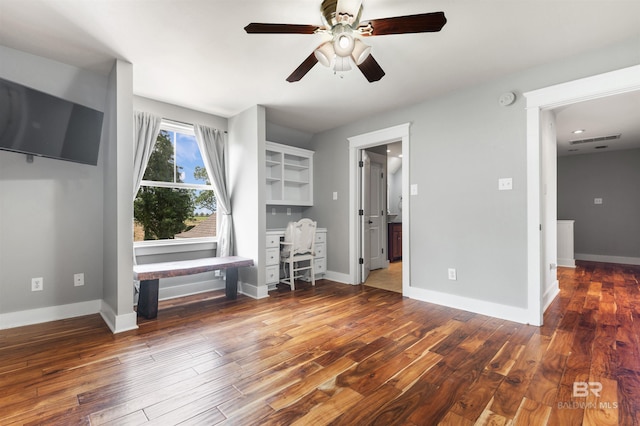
pixel 368 140
pixel 598 86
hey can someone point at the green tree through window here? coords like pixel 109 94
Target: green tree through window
pixel 162 211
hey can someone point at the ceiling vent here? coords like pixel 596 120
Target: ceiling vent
pixel 598 139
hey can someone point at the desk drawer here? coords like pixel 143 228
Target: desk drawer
pixel 320 266
pixel 273 241
pixel 273 256
pixel 272 274
pixel 321 237
pixel 321 249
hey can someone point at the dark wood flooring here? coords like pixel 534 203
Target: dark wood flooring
pixel 340 355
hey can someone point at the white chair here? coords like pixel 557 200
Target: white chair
pixel 298 251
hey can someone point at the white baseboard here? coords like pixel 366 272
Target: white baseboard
pixel 550 294
pixel 608 259
pixel 253 291
pixel 338 277
pixel 118 323
pixel 51 313
pixel 496 310
pixel 567 263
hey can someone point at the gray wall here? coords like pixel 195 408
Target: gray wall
pixel 460 145
pixel 612 228
pixel 51 211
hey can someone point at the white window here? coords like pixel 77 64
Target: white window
pixel 176 199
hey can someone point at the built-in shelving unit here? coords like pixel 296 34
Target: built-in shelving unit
pixel 289 175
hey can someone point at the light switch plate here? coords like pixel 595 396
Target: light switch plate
pixel 414 189
pixel 335 195
pixel 505 184
pixel 597 201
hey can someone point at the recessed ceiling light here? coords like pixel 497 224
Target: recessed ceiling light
pixel 388 150
pixel 577 132
pixel 400 156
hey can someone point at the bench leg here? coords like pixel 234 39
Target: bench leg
pixel 148 298
pixel 231 284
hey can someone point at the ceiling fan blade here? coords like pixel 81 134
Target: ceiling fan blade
pixel 303 69
pixel 371 69
pixel 258 28
pixel 422 23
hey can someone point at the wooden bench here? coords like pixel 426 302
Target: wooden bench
pixel 149 276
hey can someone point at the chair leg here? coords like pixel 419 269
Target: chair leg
pixel 313 273
pixel 292 276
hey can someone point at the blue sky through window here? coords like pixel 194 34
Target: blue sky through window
pixel 188 157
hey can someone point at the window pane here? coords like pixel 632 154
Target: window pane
pixel 166 213
pixel 189 160
pixel 163 212
pixel 161 163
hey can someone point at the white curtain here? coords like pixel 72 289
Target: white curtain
pixel 146 130
pixel 214 153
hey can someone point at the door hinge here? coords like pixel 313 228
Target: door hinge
pixel 361 261
pixel 381 175
pixel 360 212
pixel 382 250
pixel 541 227
pixel 361 163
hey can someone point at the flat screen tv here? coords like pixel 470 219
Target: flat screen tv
pixel 35 123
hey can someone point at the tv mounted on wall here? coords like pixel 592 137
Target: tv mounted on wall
pixel 35 123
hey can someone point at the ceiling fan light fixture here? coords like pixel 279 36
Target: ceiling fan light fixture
pixel 360 52
pixel 325 54
pixel 343 44
pixel 343 63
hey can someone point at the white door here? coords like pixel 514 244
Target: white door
pixel 365 216
pixel 377 206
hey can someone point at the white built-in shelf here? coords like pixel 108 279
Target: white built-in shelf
pixel 289 175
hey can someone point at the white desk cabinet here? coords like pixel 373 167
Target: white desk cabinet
pixel 289 175
pixel 273 270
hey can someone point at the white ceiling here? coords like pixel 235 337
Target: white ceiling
pixel 195 53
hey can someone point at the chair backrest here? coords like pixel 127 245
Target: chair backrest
pixel 301 235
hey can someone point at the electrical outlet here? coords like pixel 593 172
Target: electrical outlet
pixel 453 274
pixel 505 184
pixel 37 284
pixel 78 279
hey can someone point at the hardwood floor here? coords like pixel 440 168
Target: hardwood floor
pixel 340 355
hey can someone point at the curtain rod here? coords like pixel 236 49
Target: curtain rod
pixel 178 122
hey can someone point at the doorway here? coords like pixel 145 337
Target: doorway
pixel 357 145
pixel 540 103
pixel 382 243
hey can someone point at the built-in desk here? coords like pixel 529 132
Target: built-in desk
pixel 272 270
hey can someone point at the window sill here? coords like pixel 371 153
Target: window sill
pixel 178 245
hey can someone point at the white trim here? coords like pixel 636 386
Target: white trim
pixel 496 310
pixel 602 85
pixel 550 294
pixel 51 313
pixel 356 143
pixel 566 263
pixel 338 277
pixel 118 323
pixel 253 291
pixel 622 260
pixel 177 245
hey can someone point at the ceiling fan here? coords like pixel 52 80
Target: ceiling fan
pixel 342 23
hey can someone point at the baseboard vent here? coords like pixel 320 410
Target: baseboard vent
pixel 598 139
